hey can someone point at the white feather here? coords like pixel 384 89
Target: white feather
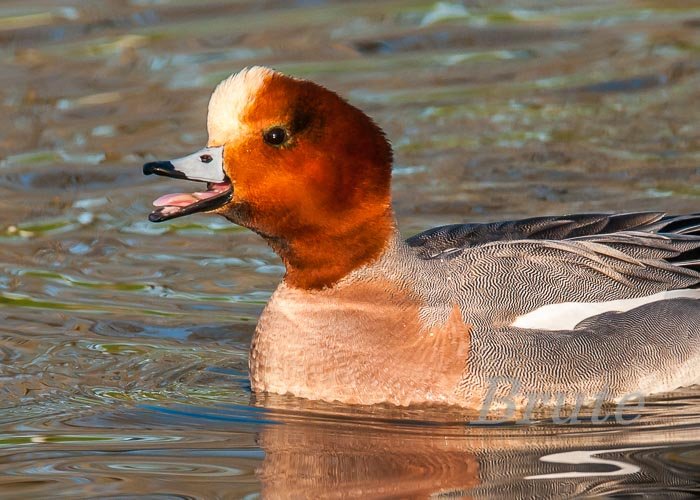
pixel 566 315
pixel 229 102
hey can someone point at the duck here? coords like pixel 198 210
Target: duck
pixel 564 309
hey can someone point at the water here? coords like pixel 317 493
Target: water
pixel 123 344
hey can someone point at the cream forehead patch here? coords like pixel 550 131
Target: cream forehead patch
pixel 229 100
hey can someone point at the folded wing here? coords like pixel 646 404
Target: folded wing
pixel 509 269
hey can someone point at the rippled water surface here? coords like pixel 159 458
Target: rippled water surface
pixel 123 344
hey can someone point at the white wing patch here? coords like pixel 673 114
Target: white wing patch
pixel 566 315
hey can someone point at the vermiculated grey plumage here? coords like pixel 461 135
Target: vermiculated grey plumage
pixel 498 271
pixel 494 275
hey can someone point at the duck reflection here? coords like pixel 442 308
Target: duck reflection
pixel 347 461
pixel 290 448
pixel 340 458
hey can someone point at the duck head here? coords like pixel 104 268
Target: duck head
pixel 295 163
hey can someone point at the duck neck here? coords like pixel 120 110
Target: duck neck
pixel 318 257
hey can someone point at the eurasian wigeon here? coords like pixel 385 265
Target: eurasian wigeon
pixel 573 306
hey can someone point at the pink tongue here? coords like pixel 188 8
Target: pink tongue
pixel 185 199
pixel 175 200
pixel 182 199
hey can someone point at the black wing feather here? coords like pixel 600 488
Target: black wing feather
pixel 678 242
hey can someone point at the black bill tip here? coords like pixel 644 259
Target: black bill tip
pixel 164 168
pixel 157 216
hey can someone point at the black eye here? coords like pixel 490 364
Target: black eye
pixel 275 136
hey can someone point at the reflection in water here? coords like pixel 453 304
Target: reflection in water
pixel 335 452
pixel 376 463
pixel 123 344
pixel 587 457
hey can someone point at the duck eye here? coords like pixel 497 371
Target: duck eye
pixel 275 136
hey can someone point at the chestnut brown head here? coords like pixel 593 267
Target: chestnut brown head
pixel 296 163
